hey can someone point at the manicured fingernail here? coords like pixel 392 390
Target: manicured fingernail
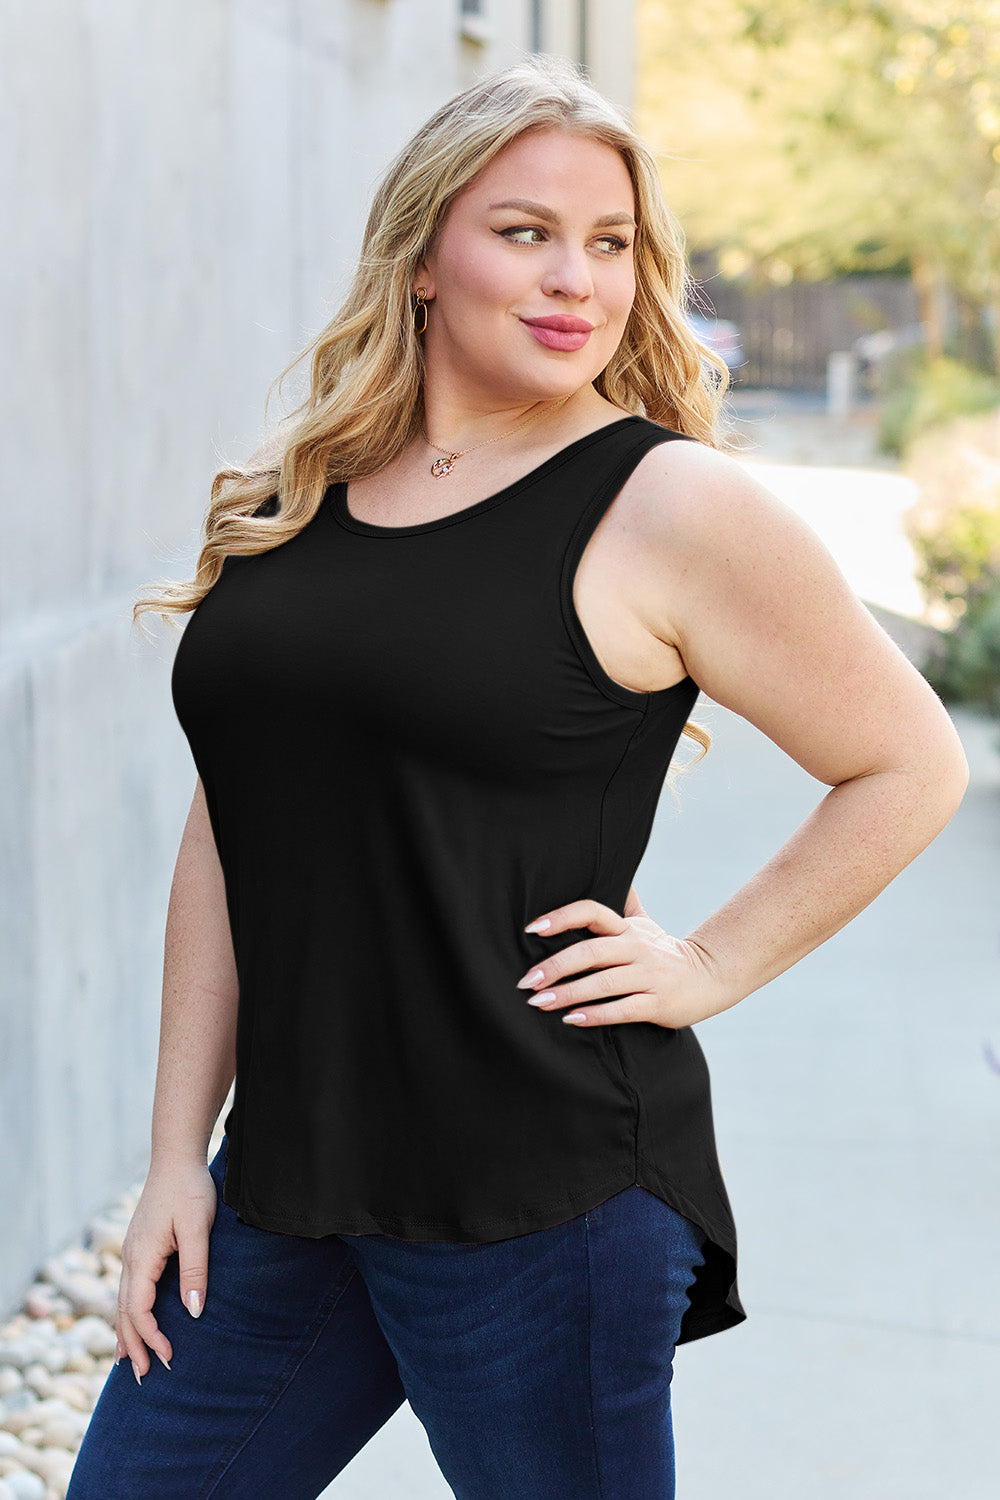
pixel 542 998
pixel 194 1304
pixel 539 926
pixel 530 980
pixel 577 1015
pixel 161 1358
pixel 135 1372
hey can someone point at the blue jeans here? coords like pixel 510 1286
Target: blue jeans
pixel 539 1365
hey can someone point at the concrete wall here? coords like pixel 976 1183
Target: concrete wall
pixel 186 184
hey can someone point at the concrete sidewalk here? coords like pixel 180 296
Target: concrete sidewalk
pixel 858 1127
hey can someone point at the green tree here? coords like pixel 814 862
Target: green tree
pixel 811 137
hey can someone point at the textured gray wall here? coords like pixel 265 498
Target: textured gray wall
pixel 185 182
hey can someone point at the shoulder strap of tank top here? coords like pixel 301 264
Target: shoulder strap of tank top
pixel 640 436
pixel 630 446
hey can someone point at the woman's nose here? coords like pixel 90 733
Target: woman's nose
pixel 569 274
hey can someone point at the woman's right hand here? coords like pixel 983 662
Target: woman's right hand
pixel 176 1211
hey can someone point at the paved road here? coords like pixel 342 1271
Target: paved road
pixel 858 1119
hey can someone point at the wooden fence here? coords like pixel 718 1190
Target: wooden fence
pixel 788 332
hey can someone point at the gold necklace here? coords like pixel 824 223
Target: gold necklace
pixel 442 466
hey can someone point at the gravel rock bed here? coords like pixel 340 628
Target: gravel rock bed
pixel 55 1355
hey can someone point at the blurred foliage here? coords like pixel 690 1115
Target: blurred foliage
pixel 965 667
pixel 920 393
pixel 814 137
pixel 955 531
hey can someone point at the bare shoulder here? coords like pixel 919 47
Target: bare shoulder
pixel 765 621
pixel 684 494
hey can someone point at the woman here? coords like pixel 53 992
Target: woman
pixel 445 641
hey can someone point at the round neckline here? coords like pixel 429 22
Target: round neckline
pixel 336 495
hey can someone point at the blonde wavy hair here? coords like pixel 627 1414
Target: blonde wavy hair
pixel 365 401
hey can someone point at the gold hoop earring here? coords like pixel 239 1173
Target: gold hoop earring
pixel 420 324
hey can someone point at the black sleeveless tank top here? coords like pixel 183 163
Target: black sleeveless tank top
pixel 409 751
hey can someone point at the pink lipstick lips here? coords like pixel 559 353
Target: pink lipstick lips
pixel 560 332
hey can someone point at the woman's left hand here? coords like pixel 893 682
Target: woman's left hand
pixel 654 977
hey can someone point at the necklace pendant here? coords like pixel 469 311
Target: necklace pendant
pixel 443 466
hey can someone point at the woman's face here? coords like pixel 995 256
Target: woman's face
pixel 532 272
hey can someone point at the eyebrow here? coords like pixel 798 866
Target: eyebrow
pixel 539 211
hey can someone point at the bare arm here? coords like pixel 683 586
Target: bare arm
pixel 766 624
pixel 196 1065
pixel 197 1055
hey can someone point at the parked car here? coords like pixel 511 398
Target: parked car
pixel 719 334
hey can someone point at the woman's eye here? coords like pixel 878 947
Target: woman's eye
pixel 520 229
pixel 531 234
pixel 527 234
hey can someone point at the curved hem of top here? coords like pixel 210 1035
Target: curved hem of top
pixel 665 1189
pixel 699 1321
pixel 376 1223
pixel 702 1318
pixel 708 1322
